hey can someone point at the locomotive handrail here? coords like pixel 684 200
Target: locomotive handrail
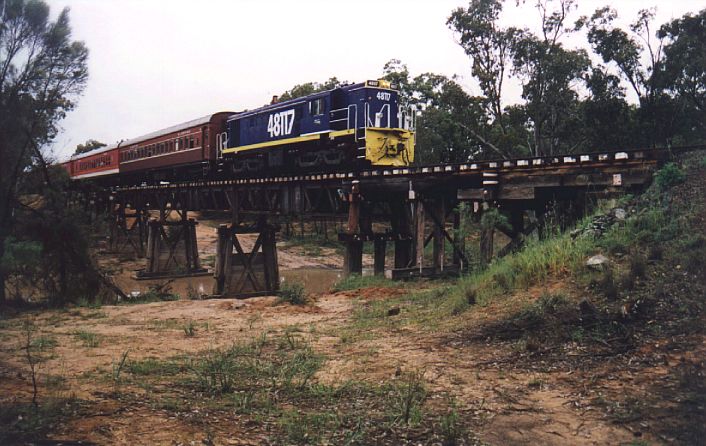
pixel 380 114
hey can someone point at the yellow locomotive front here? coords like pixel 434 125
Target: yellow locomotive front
pixel 388 126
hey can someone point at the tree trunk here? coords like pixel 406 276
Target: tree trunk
pixel 2 272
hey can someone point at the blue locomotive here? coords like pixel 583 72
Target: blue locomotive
pixel 352 125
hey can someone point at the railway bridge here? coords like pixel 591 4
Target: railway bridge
pixel 410 207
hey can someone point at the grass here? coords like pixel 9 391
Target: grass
pixel 356 281
pixel 538 261
pixel 272 380
pixel 89 339
pixel 292 293
pixel 44 342
pixel 406 399
pixel 189 329
pixel 24 423
pixel 312 246
pixel 154 367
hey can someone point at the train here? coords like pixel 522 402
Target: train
pixel 349 127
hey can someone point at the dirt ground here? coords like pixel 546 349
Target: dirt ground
pixel 509 412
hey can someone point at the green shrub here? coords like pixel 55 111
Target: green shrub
pixel 669 176
pixel 292 293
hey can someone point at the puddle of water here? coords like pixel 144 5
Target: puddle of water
pixel 315 280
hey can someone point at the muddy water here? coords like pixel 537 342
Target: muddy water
pixel 315 280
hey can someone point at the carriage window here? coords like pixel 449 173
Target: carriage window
pixel 197 141
pixel 316 107
pixel 191 142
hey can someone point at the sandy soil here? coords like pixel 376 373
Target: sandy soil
pixel 507 409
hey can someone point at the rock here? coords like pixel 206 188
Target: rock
pixel 597 262
pixel 620 214
pixel 394 311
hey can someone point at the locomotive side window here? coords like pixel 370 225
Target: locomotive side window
pixel 316 107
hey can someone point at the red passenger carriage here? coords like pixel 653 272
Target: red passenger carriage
pixel 170 153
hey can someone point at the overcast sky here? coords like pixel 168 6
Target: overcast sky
pixel 154 64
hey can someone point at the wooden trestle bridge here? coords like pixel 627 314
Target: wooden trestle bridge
pixel 416 206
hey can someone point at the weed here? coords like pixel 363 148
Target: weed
pixel 539 260
pixel 407 398
pixel 192 293
pixel 29 424
pixel 217 370
pixel 190 329
pixel 118 368
pixel 451 429
pixel 535 383
pixel 292 293
pixel 44 342
pixel 669 176
pixel 356 281
pixel 94 315
pixel 306 428
pixel 151 366
pixel 88 338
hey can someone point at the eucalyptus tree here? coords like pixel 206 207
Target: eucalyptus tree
pixel 490 47
pixel 42 72
pixel 685 63
pixel 638 56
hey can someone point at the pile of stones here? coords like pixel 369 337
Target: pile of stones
pixel 600 224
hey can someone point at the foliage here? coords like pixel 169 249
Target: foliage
pixel 292 293
pixel 90 144
pixel 451 124
pixel 42 71
pixel 685 61
pixel 243 365
pixel 668 176
pixel 489 47
pixel 308 88
pixel 88 338
pixel 407 397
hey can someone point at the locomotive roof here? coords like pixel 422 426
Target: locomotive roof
pixel 172 129
pixel 306 98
